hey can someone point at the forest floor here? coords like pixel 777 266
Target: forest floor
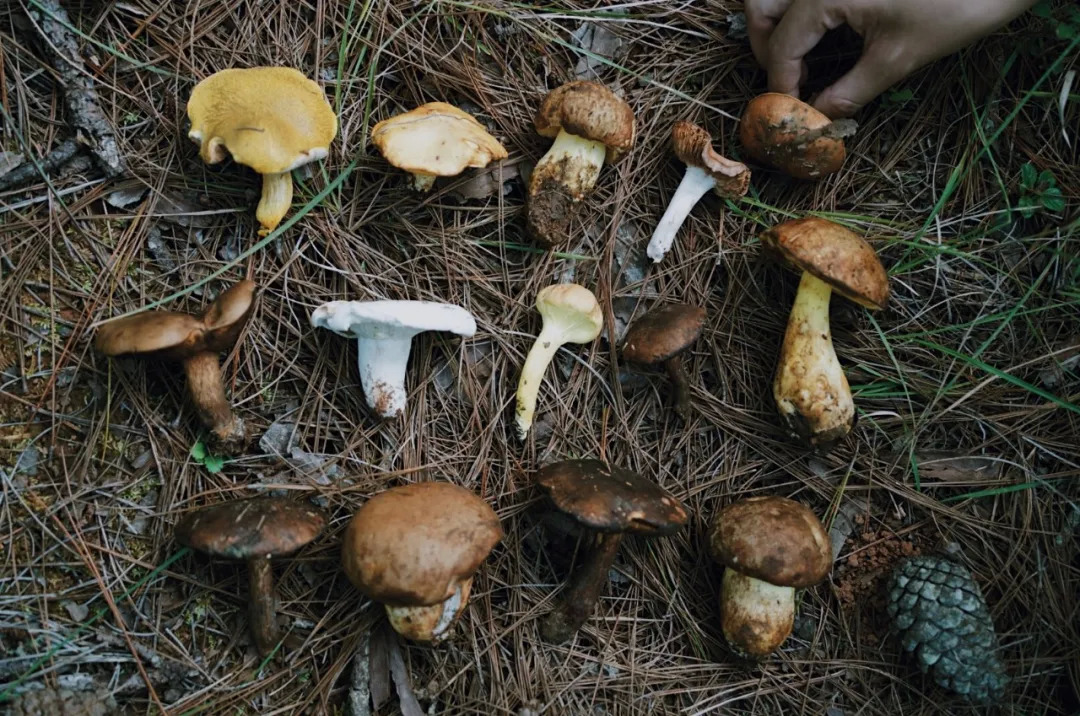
pixel 967 384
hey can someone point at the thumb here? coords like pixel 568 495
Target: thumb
pixel 874 73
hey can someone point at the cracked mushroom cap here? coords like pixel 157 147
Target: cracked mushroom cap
pixel 589 110
pixel 837 256
pixel 770 131
pixel 413 545
pixel 436 138
pixel 387 319
pixel 663 333
pixel 773 539
pixel 175 336
pixel 246 529
pixel 607 498
pixel 693 147
pixel 272 119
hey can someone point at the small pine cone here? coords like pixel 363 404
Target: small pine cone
pixel 63 702
pixel 941 616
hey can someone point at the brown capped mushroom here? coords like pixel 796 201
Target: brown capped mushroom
pixel 589 124
pixel 255 530
pixel 661 336
pixel 611 502
pixel 272 119
pixel 790 135
pixel 415 549
pixel 811 391
pixel 705 170
pixel 770 546
pixel 435 140
pixel 195 342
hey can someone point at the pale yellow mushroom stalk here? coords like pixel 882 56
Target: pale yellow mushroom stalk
pixel 272 119
pixel 571 314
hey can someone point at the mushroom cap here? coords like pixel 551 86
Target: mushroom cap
pixel 413 545
pixel 591 111
pixel 170 335
pixel 574 308
pixel 773 539
pixel 247 529
pixel 607 498
pixel 271 119
pixel 837 256
pixel 693 147
pixel 392 319
pixel 770 132
pixel 663 333
pixel 436 138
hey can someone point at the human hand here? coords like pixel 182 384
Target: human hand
pixel 899 37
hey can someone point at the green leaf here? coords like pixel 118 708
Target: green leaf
pixel 1066 31
pixel 214 463
pixel 198 451
pixel 1052 199
pixel 1043 8
pixel 1046 178
pixel 1026 206
pixel 1028 176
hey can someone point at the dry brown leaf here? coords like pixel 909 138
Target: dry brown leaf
pixel 950 466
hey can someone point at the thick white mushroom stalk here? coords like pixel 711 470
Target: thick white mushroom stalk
pixel 756 616
pixel 571 314
pixel 384 331
pixel 695 183
pixel 811 391
pixel 573 162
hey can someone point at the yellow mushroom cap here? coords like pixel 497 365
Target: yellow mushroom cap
pixel 272 119
pixel 436 139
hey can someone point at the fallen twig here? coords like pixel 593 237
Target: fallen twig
pixel 29 170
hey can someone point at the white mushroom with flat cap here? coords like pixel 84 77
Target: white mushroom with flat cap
pixel 384 331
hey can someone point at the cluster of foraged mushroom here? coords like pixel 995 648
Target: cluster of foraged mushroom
pixel 415 548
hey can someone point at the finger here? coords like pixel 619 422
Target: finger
pixel 875 71
pixel 761 19
pixel 802 26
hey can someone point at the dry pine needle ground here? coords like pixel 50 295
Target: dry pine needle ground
pixel 968 437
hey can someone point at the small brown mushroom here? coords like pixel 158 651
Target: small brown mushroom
pixel 415 549
pixel 661 336
pixel 770 546
pixel 611 502
pixel 255 530
pixel 783 132
pixel 195 342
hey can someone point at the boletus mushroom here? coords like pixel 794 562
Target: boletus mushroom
pixel 256 531
pixel 811 391
pixel 705 170
pixel 194 342
pixel 571 314
pixel 384 331
pixel 661 336
pixel 590 125
pixel 608 501
pixel 785 133
pixel 272 119
pixel 435 140
pixel 770 547
pixel 415 549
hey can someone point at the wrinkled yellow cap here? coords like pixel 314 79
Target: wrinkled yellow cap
pixel 272 119
pixel 436 139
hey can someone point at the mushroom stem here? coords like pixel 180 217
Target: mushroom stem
pixel 532 373
pixel 263 608
pixel 208 394
pixel 695 183
pixel 382 362
pixel 275 202
pixel 559 181
pixel 431 623
pixel 810 388
pixel 756 616
pixel 579 600
pixel 422 182
pixel 678 377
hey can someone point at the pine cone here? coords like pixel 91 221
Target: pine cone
pixel 63 702
pixel 942 617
